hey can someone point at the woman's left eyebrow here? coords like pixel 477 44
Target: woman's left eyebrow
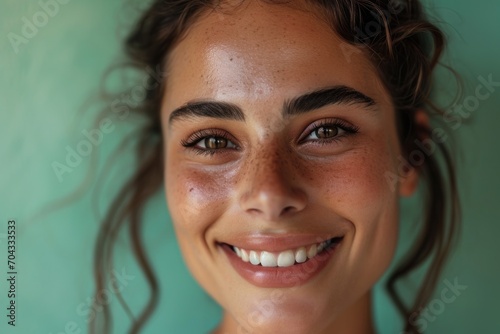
pixel 338 95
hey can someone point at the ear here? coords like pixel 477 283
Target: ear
pixel 408 184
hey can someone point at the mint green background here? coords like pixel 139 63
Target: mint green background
pixel 42 89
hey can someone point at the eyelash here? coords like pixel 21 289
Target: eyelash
pixel 195 138
pixel 348 129
pixel 203 134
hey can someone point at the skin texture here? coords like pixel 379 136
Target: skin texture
pixel 273 181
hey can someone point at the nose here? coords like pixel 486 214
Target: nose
pixel 269 188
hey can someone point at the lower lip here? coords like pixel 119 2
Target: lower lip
pixel 280 277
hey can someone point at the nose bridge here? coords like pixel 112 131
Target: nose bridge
pixel 269 167
pixel 269 188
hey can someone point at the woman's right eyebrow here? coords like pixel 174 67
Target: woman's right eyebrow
pixel 335 95
pixel 213 109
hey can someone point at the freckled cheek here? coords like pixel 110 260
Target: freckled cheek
pixel 354 182
pixel 195 198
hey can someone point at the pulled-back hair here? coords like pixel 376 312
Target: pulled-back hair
pixel 403 46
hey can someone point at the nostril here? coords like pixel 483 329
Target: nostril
pixel 288 209
pixel 254 211
pixel 284 211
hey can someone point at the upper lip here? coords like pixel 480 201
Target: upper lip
pixel 278 242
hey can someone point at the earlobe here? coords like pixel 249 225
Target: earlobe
pixel 408 184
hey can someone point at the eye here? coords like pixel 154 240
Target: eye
pixel 328 130
pixel 324 132
pixel 213 143
pixel 209 141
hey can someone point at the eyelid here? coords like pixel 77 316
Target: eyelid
pixel 197 136
pixel 348 127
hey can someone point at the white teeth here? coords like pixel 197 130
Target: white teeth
pixel 283 259
pixel 312 251
pixel 286 259
pixel 254 258
pixel 268 259
pixel 301 255
pixel 244 255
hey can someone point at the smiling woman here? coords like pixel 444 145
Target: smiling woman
pixel 279 132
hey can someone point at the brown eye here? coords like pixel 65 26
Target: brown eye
pixel 213 143
pixel 326 131
pixel 209 141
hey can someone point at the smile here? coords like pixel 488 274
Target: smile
pixel 285 258
pixel 280 267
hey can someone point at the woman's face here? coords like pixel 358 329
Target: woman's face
pixel 285 144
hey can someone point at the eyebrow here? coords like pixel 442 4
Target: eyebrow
pixel 317 99
pixel 213 109
pixel 323 97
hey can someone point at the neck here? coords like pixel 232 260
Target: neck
pixel 357 319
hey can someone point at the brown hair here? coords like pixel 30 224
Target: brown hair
pixel 404 47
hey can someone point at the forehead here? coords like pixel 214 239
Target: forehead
pixel 260 51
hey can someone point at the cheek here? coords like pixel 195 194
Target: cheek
pixel 354 189
pixel 195 198
pixel 352 182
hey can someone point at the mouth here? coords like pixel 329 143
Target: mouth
pixel 284 268
pixel 285 258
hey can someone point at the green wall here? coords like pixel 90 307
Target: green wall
pixel 48 78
